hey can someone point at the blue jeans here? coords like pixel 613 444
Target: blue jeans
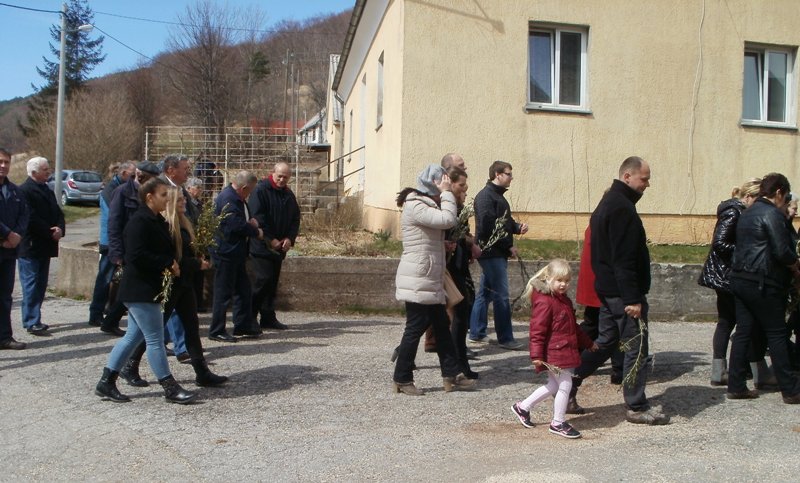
pixel 493 288
pixel 33 273
pixel 105 270
pixel 176 333
pixel 145 322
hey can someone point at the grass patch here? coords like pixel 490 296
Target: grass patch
pixel 531 250
pixel 679 253
pixel 76 212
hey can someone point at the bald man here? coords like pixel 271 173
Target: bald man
pixel 276 210
pixel 450 160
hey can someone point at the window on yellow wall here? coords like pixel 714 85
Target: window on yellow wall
pixel 557 67
pixel 379 122
pixel 768 88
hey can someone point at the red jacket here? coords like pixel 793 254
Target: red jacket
pixel 554 334
pixel 585 293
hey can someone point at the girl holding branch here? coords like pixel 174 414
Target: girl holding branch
pixel 555 342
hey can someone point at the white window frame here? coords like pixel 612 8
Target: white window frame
pixel 763 51
pixel 555 70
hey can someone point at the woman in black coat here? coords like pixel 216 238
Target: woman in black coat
pixel 149 252
pixel 717 269
pixel 182 297
pixel 764 265
pixel 459 256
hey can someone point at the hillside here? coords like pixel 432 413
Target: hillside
pixel 10 112
pixel 161 92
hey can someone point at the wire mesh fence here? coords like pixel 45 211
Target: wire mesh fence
pixel 216 154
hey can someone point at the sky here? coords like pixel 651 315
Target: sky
pixel 25 35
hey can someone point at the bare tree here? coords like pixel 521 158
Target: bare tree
pixel 100 128
pixel 143 95
pixel 204 68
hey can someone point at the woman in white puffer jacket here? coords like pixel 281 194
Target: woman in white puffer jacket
pixel 428 211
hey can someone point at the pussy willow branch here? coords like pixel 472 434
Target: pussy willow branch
pixel 624 346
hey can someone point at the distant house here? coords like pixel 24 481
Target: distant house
pixel 706 91
pixel 312 134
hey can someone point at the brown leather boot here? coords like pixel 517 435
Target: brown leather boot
pixel 458 383
pixel 407 388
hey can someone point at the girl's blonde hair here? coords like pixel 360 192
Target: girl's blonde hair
pixel 749 188
pixel 557 269
pixel 177 220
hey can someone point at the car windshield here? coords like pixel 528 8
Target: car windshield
pixel 87 177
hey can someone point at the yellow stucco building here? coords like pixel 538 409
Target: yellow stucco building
pixel 564 90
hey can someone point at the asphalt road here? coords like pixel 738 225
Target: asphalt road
pixel 315 403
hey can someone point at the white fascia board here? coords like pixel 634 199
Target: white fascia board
pixel 371 19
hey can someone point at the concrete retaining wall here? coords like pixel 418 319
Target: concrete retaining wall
pixel 328 284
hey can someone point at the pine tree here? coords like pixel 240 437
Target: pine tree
pixel 82 56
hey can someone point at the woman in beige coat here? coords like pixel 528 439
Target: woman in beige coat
pixel 428 211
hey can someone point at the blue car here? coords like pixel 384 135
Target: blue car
pixel 78 186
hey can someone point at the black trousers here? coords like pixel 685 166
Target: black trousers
pixel 760 309
pixel 114 315
pixel 418 318
pixel 616 325
pixel 591 325
pixel 459 326
pixel 7 270
pixel 726 322
pixel 265 274
pixel 231 285
pixel 183 302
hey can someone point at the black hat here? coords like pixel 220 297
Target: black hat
pixel 148 167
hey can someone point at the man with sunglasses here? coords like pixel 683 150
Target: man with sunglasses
pixel 491 206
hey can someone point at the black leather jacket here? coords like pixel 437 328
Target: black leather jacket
pixel 764 249
pixel 718 264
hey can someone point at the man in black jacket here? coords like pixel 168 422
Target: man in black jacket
pixel 491 206
pixel 124 203
pixel 39 244
pixel 175 171
pixel 105 269
pixel 621 263
pixel 275 208
pixel 230 260
pixel 13 220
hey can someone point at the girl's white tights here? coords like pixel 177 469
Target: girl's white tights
pixel 558 386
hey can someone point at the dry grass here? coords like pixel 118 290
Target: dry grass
pixel 17 172
pixel 337 234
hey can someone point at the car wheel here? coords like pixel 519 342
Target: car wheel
pixel 64 199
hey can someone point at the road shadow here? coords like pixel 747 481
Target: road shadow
pixel 266 380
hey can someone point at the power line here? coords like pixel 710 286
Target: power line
pixel 124 44
pixel 236 29
pixel 180 24
pixel 28 8
pixel 151 59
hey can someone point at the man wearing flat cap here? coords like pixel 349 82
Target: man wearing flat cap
pixel 124 203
